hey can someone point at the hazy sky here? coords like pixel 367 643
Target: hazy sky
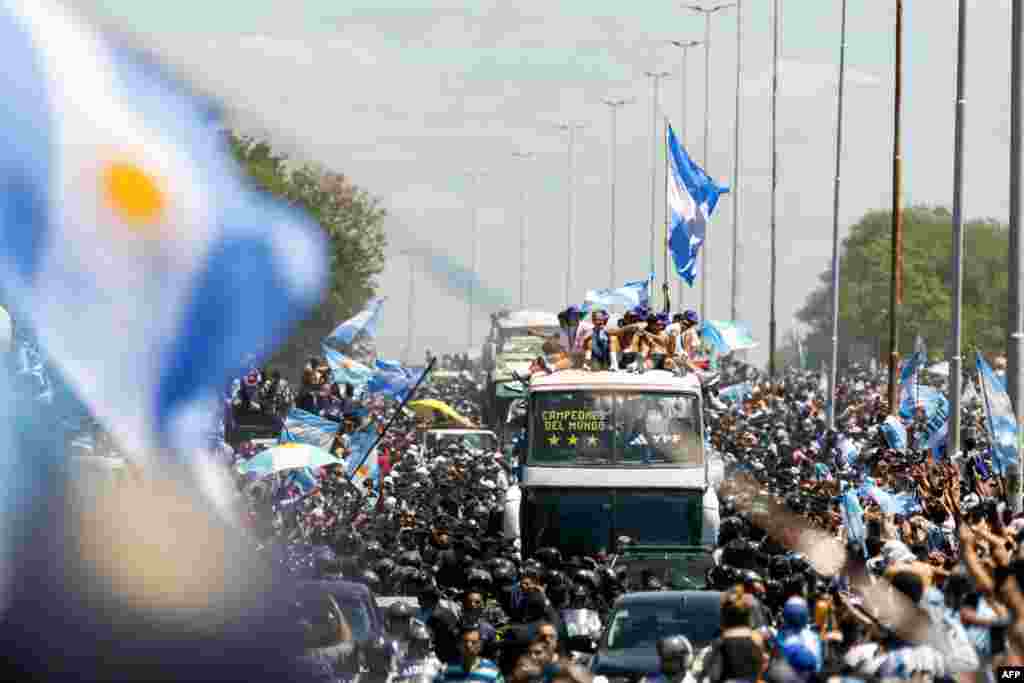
pixel 405 96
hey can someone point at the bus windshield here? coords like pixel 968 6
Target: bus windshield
pixel 615 428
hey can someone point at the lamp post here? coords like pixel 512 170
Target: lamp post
pixel 772 327
pixel 656 78
pixel 522 156
pixel 614 104
pixel 684 46
pixel 411 323
pixel 571 128
pixel 475 177
pixel 896 287
pixel 1015 324
pixel 835 225
pixel 707 11
pixel 955 359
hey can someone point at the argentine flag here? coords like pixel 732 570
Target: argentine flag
pixel 129 240
pixel 692 198
pixel 308 428
pixel 345 370
pixel 629 295
pixel 1002 423
pixel 363 322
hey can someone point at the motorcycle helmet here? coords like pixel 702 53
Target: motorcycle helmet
pixel 675 653
pixel 550 557
pixel 420 641
pixel 587 578
pixel 399 619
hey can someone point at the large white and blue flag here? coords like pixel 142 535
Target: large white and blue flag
pixel 362 462
pixel 1002 423
pixel 630 295
pixel 692 198
pixel 131 244
pixel 304 427
pixel 392 379
pixel 346 370
pixel 727 336
pixel 364 322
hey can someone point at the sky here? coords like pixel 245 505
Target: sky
pixel 407 96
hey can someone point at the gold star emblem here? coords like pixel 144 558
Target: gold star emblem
pixel 573 440
pixel 592 442
pixel 553 440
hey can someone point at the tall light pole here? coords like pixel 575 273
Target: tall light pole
pixel 776 19
pixel 614 104
pixel 571 128
pixel 896 288
pixel 522 156
pixel 707 11
pixel 953 429
pixel 1015 324
pixel 835 225
pixel 684 46
pixel 411 314
pixel 656 78
pixel 736 164
pixel 475 177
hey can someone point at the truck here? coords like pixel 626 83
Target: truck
pixel 509 350
pixel 616 463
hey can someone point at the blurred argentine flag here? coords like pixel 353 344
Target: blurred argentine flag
pixel 129 240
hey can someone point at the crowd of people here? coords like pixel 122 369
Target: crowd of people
pixel 837 554
pixel 641 339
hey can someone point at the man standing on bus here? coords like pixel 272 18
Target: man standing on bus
pixel 597 347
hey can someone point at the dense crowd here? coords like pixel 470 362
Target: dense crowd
pixel 837 553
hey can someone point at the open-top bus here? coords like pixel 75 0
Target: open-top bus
pixel 614 455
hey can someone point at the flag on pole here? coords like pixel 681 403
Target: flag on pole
pixel 362 463
pixel 303 427
pixel 692 198
pixel 364 322
pixel 392 379
pixel 725 337
pixel 345 370
pixel 1002 423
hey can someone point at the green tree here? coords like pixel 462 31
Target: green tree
pixel 865 268
pixel 353 221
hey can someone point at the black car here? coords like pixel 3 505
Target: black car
pixel 628 647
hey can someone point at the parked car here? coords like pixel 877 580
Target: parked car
pixel 627 650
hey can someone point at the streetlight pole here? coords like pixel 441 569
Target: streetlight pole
pixel 955 360
pixel 736 164
pixel 896 288
pixel 684 46
pixel 474 177
pixel 1015 326
pixel 614 105
pixel 835 226
pixel 707 12
pixel 656 77
pixel 522 156
pixel 571 128
pixel 411 314
pixel 772 327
